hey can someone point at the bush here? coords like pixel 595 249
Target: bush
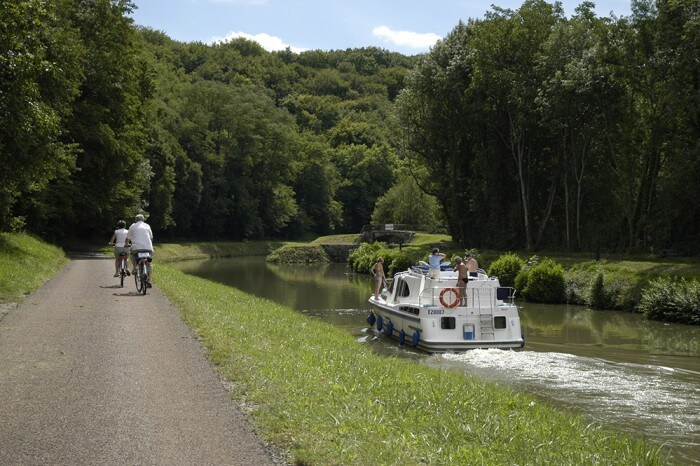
pixel 622 290
pixel 603 289
pixel 395 260
pixel 578 286
pixel 522 278
pixel 545 283
pixel 672 300
pixel 598 297
pixel 506 268
pixel 362 258
pixel 299 254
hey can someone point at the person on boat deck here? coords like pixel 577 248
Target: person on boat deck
pixel 462 278
pixel 434 260
pixel 472 266
pixel 377 272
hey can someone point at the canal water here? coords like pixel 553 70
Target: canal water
pixel 619 369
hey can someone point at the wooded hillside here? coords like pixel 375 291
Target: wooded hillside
pixel 523 130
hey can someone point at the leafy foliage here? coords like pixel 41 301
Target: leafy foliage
pixel 675 300
pixel 524 129
pixel 506 268
pixel 543 282
pixel 299 254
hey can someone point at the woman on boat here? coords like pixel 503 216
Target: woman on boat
pixel 434 260
pixel 377 272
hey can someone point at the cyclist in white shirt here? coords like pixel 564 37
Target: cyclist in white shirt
pixel 141 238
pixel 119 242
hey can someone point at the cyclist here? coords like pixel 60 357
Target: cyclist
pixel 119 242
pixel 141 238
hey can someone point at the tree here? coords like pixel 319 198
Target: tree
pixel 507 46
pixel 39 78
pixel 405 203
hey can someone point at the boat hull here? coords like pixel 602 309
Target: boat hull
pixel 442 330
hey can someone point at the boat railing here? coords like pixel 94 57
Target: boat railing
pixel 478 294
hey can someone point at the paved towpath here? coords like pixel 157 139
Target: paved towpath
pixel 91 373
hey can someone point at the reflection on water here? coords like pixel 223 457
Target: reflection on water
pixel 640 376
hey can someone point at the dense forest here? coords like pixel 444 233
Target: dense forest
pixel 526 129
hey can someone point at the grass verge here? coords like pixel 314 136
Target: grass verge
pixel 329 400
pixel 25 264
pixel 169 252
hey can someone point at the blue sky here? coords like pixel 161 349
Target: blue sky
pixel 406 26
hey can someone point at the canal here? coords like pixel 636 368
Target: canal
pixel 619 369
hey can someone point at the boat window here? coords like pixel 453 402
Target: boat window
pixel 402 289
pixel 499 322
pixel 447 323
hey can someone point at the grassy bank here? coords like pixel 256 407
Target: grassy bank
pixel 169 252
pixel 328 400
pixel 25 264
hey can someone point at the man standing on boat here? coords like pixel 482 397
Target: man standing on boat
pixel 434 260
pixel 462 278
pixel 472 266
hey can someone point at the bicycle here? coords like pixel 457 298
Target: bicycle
pixel 122 268
pixel 141 278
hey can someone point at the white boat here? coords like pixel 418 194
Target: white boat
pixel 432 315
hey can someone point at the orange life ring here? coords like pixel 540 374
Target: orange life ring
pixel 458 296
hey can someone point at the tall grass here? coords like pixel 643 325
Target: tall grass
pixel 25 264
pixel 329 400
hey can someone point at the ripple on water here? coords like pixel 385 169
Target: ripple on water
pixel 657 401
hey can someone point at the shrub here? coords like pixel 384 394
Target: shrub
pixel 598 297
pixel 672 300
pixel 578 286
pixel 506 268
pixel 622 290
pixel 395 260
pixel 299 254
pixel 523 277
pixel 545 283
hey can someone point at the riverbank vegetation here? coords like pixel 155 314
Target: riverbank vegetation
pixel 316 392
pixel 615 285
pixel 25 264
pixel 206 250
pixel 299 254
pixel 571 133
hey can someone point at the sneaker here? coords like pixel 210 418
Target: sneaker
pixel 135 271
pixel 149 285
pixel 128 273
pixel 116 274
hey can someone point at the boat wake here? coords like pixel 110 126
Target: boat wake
pixel 657 401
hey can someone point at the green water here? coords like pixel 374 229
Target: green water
pixel 619 369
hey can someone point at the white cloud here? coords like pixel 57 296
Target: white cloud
pixel 266 41
pixel 406 38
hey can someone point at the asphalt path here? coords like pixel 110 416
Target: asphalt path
pixel 91 373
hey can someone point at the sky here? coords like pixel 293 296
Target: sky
pixel 409 27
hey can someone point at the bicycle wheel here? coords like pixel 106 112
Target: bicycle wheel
pixel 143 274
pixel 122 273
pixel 137 280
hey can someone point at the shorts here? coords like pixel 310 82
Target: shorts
pixel 120 249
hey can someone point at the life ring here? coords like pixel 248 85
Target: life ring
pixel 458 296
